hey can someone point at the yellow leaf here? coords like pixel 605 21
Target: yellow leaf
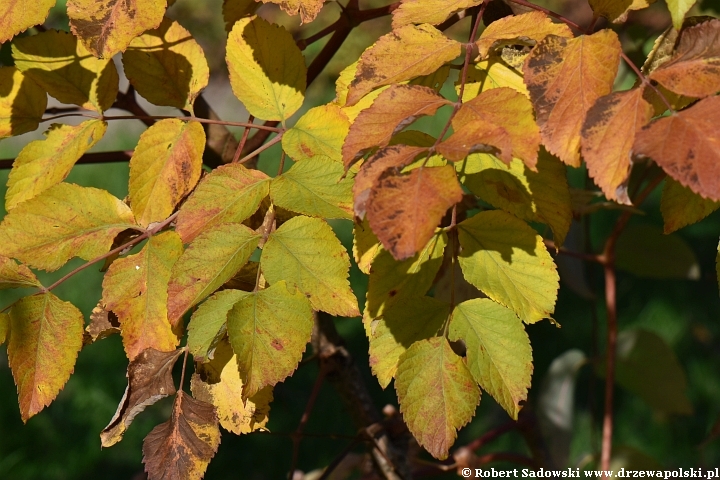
pixel 408 52
pixel 44 163
pixel 366 246
pixel 4 326
pixel 67 70
pixel 234 10
pixel 22 103
pixel 680 206
pixel 108 27
pixel 308 9
pixel 13 275
pixel 526 29
pixel 428 11
pixel 318 133
pixel 164 168
pixel 62 222
pixel 167 66
pixel 617 10
pixel 267 69
pixel 678 10
pixel 16 16
pixel 208 323
pixel 489 74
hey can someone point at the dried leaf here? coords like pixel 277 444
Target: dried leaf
pixel 318 133
pixel 477 136
pixel 13 275
pixel 526 29
pixel 22 104
pixel 102 325
pixel 433 12
pixel 16 16
pixel 681 207
pixel 308 9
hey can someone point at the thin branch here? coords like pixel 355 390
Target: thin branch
pixel 260 149
pixel 182 373
pixel 589 257
pixel 192 119
pixel 88 158
pixel 241 145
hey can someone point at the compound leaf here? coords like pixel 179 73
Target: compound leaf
pixel 681 207
pixel 318 133
pixel 208 323
pixel 526 29
pixel 16 16
pixel 22 104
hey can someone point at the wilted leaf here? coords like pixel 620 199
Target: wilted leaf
pixel 208 323
pixel 405 53
pixel 267 69
pixel 107 27
pixel 234 10
pixel 182 447
pixel 508 261
pixel 308 9
pixel 167 66
pixel 16 16
pixel 268 331
pixel 229 194
pixel 640 246
pixel 13 275
pixel 617 10
pixel 22 103
pixel 499 355
pixel 565 78
pixel 102 325
pixel 433 12
pixel 314 187
pixel 526 29
pixel 45 338
pixel 210 260
pixel 437 394
pixel 61 65
pixel 318 133
pixel 149 380
pixel 404 209
pixel 678 9
pixel 489 74
pixel 681 207
pixel 686 146
pixel 44 163
pixel 62 222
pixel 608 135
pixel 392 110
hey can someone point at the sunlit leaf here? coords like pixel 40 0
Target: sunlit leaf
pixel 526 29
pixel 22 103
pixel 678 10
pixel 477 136
pixel 16 16
pixel 366 246
pixel 489 74
pixel 423 11
pixel 640 246
pixel 318 133
pixel 208 323
pixel 307 9
pixel 681 207
pixel 13 275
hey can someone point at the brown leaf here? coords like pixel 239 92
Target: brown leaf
pixel 607 138
pixel 182 447
pixel 687 146
pixel 565 78
pixel 694 69
pixel 102 324
pixel 403 210
pixel 477 136
pixel 393 110
pixel 149 380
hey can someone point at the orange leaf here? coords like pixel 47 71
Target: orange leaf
pixel 607 138
pixel 393 110
pixel 526 29
pixel 565 78
pixel 687 146
pixel 477 136
pixel 403 210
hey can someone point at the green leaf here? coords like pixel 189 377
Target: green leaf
pixel 678 10
pixel 403 323
pixel 13 275
pixel 267 69
pixel 164 168
pixel 318 133
pixel 210 260
pixel 63 222
pixel 208 323
pixel 62 65
pixel 681 207
pixel 499 355
pixel 268 331
pixel 22 103
pixel 44 163
pixel 306 254
pixel 135 288
pixel 508 261
pixel 437 394
pixel 229 194
pixel 314 187
pixel 644 251
pixel 45 338
pixel 4 326
pixel 16 16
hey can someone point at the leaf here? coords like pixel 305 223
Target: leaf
pixel 4 327
pixel 234 10
pixel 489 74
pixel 678 10
pixel 167 66
pixel 393 110
pixel 102 325
pixel 565 78
pixel 228 194
pixel 499 355
pixel 433 12
pixel 44 163
pixel 692 157
pixel 405 322
pixel 208 323
pixel 108 27
pixel 508 261
pixel 694 69
pixel 182 447
pixel 22 103
pixel 209 261
pixel 405 53
pixel 617 10
pixel 149 380
pixel 477 136
pixel 218 383
pixel 318 133
pixel 526 29
pixel 681 207
pixel 44 341
pixel 267 69
pixel 135 288
pixel 63 222
pixel 608 134
pixel 308 9
pixel 268 331
pixel 13 275
pixel 17 16
pixel 164 167
pixel 640 246
pixel 314 187
pixel 366 246
pixel 305 253
pixel 437 394
pixel 62 66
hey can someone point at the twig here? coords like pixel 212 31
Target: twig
pixel 260 149
pixel 182 373
pixel 100 157
pixel 571 253
pixel 241 145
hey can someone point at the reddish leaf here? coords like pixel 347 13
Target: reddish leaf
pixel 102 325
pixel 403 210
pixel 477 136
